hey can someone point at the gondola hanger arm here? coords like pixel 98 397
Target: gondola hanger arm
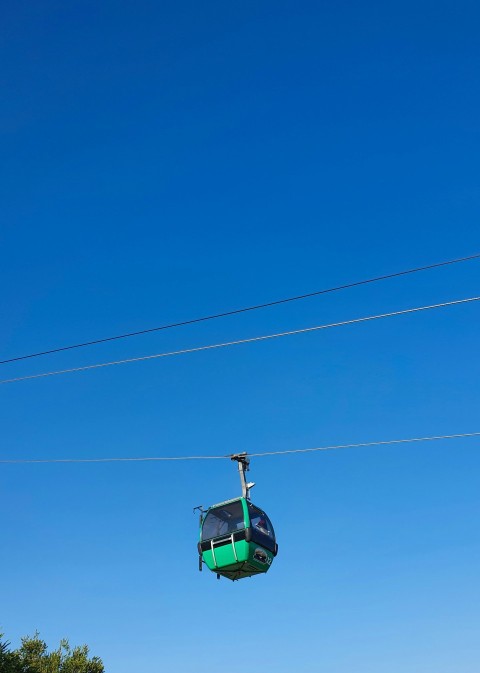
pixel 243 466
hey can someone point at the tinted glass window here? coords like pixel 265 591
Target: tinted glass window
pixel 259 521
pixel 223 520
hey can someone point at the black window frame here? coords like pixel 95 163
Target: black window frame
pixel 229 529
pixel 255 535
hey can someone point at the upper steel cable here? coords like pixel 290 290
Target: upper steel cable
pixel 242 341
pixel 255 307
pixel 250 455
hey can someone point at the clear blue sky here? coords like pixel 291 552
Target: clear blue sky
pixel 165 160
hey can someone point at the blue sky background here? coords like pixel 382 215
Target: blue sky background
pixel 163 161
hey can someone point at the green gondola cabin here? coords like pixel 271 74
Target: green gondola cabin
pixel 237 539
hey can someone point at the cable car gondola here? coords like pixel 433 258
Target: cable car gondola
pixel 236 537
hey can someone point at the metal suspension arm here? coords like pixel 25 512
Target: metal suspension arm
pixel 243 466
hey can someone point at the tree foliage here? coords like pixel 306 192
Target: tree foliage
pixel 9 661
pixel 33 657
